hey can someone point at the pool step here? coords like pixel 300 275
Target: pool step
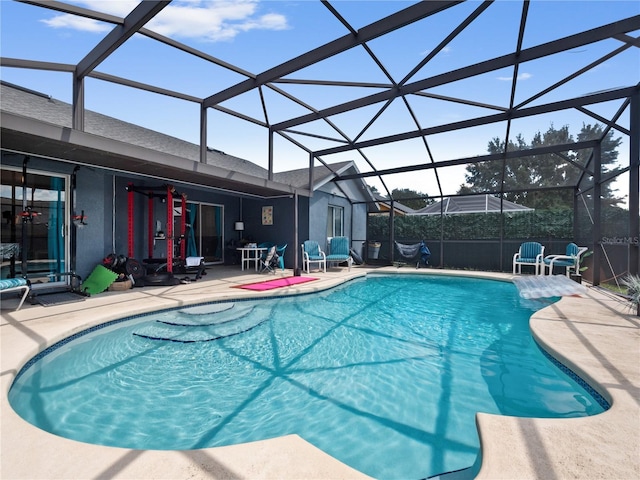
pixel 210 329
pixel 208 309
pixel 206 320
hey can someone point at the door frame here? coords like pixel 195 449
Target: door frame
pixel 63 276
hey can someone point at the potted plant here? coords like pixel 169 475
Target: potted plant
pixel 633 290
pixel 577 277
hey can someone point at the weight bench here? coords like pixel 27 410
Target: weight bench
pixel 180 266
pixel 14 285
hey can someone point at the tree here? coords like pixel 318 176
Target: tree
pixel 406 196
pixel 608 157
pixel 410 198
pixel 523 175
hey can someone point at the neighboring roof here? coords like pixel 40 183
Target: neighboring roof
pixel 471 204
pixel 384 205
pixel 36 124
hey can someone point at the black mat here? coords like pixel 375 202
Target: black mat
pixel 59 298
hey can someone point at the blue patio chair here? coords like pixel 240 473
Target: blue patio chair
pixel 530 253
pixel 339 251
pixel 411 251
pixel 311 253
pixel 570 260
pixel 280 251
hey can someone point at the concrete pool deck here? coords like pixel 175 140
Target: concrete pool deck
pixel 596 335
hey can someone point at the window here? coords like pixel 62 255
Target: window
pixel 335 222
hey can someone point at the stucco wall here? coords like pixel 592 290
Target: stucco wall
pixel 355 219
pixel 103 196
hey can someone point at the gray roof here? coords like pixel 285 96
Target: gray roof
pixel 321 175
pixel 20 103
pixel 471 204
pixel 42 107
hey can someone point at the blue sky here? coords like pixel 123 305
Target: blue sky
pixel 257 35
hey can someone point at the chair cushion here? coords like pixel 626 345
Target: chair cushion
pixel 530 250
pixel 312 249
pixel 560 263
pixel 339 258
pixel 339 246
pixel 526 260
pixel 8 283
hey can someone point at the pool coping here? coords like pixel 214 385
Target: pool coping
pixel 592 334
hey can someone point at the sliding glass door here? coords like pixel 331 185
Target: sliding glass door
pixel 34 231
pixel 210 227
pixel 203 234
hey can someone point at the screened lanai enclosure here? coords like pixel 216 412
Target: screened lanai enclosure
pixel 531 102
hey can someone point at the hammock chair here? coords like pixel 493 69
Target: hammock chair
pixel 417 252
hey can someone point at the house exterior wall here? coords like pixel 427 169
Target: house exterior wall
pixel 344 195
pixel 355 219
pixel 94 195
pixel 281 231
pixel 103 196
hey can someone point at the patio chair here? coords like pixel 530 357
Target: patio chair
pixel 311 253
pixel 266 245
pixel 14 285
pixel 280 251
pixel 270 262
pixel 411 251
pixel 340 251
pixel 570 260
pixel 530 253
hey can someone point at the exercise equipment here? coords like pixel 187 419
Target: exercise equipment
pixel 160 270
pixel 98 281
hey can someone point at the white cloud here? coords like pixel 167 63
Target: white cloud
pixel 209 20
pixel 77 23
pixel 522 76
pixel 445 51
pixel 119 8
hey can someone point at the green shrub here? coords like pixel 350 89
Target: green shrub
pixel 548 224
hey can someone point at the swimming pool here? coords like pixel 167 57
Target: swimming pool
pixel 384 374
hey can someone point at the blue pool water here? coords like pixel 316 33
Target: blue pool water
pixel 386 374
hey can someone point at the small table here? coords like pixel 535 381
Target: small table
pixel 251 254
